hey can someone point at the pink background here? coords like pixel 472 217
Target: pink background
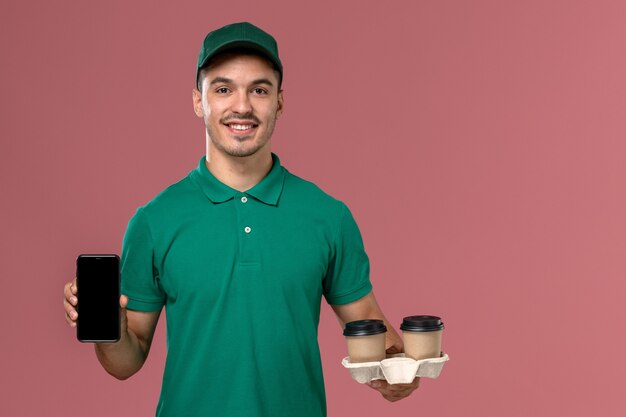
pixel 480 145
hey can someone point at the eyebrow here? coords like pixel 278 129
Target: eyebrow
pixel 221 80
pixel 224 80
pixel 263 81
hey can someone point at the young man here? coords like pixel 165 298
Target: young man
pixel 240 253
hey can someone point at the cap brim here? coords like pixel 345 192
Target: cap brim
pixel 242 44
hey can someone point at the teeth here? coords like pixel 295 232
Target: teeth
pixel 241 127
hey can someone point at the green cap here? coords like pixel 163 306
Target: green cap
pixel 238 35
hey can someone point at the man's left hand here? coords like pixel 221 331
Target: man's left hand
pixel 367 308
pixel 394 392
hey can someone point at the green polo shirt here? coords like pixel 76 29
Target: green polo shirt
pixel 241 276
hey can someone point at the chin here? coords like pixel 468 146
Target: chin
pixel 242 153
pixel 237 148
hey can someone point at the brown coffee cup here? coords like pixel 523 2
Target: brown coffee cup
pixel 422 336
pixel 365 340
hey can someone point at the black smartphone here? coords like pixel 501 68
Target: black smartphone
pixel 98 282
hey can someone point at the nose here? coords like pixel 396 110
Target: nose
pixel 241 104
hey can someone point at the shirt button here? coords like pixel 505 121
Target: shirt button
pixel 247 229
pixel 244 199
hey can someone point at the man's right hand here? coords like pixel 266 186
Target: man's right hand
pixel 70 302
pixel 125 357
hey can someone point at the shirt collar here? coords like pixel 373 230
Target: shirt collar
pixel 268 190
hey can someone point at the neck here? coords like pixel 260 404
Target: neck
pixel 240 173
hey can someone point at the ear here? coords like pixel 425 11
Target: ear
pixel 197 102
pixel 281 103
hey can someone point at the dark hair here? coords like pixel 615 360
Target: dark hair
pixel 232 52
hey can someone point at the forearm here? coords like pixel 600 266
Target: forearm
pixel 123 358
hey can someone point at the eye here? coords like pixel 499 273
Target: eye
pixel 222 90
pixel 259 90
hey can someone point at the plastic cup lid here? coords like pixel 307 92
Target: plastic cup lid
pixel 364 328
pixel 421 324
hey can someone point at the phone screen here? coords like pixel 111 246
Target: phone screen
pixel 98 281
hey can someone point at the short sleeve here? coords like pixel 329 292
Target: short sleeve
pixel 348 275
pixel 139 277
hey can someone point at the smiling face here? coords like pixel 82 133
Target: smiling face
pixel 240 102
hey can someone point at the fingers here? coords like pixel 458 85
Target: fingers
pixel 393 342
pixel 71 318
pixel 394 392
pixel 123 301
pixel 124 320
pixel 69 291
pixel 69 302
pixel 393 349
